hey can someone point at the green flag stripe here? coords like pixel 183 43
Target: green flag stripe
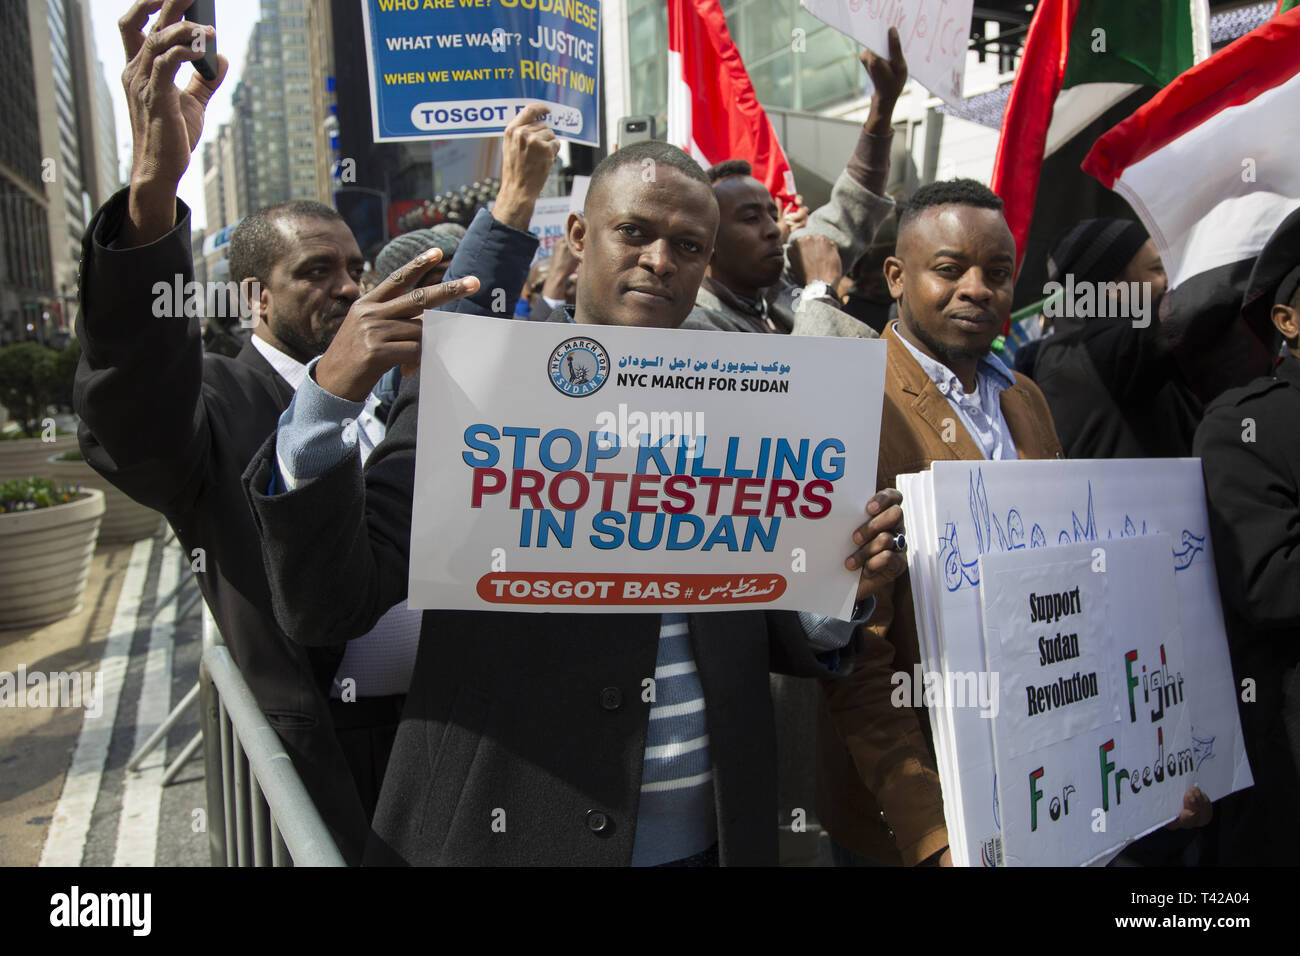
pixel 1119 41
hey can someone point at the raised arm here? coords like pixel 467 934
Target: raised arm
pixel 139 383
pixel 858 204
pixel 337 545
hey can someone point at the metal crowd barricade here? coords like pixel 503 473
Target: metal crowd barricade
pixel 259 812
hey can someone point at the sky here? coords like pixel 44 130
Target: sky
pixel 235 19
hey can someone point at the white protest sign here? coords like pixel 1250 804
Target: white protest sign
pixel 934 34
pixel 548 223
pixel 1089 762
pixel 1046 636
pixel 603 468
pixel 579 195
pixel 959 511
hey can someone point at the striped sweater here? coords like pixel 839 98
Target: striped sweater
pixel 676 817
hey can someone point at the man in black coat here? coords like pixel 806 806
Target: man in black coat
pixel 1112 383
pixel 1249 446
pixel 175 429
pixel 524 739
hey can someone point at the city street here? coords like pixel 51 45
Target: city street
pixel 66 798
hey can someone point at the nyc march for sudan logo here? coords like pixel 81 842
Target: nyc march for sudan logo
pixel 578 366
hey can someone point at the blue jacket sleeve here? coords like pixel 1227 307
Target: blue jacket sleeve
pixel 312 436
pixel 500 256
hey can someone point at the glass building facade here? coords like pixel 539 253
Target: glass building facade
pixel 796 62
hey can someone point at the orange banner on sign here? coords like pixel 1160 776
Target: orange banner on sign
pixel 593 588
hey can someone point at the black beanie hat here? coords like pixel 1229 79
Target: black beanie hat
pixel 1273 279
pixel 1096 250
pixel 445 236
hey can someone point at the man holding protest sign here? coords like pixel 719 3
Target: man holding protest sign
pixel 946 397
pixel 528 739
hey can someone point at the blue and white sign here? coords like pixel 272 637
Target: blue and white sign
pixel 444 68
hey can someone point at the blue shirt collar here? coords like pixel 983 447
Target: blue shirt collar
pixel 990 366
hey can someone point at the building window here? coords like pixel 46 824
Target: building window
pixel 823 74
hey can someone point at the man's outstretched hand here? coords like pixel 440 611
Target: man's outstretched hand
pixel 888 76
pixel 793 218
pixel 166 122
pixel 528 151
pixel 876 556
pixel 383 328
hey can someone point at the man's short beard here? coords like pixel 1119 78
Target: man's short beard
pixel 949 356
pixel 302 345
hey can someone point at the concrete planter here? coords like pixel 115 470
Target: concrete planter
pixel 125 519
pixel 45 560
pixel 30 457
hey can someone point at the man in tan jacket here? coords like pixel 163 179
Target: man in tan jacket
pixel 946 398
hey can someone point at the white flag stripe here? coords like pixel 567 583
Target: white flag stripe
pixel 679 104
pixel 674 630
pixel 677 710
pixel 1248 153
pixel 676 749
pixel 681 783
pixel 66 841
pixel 675 670
pixel 1078 106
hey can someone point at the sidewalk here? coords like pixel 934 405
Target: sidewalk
pixel 65 796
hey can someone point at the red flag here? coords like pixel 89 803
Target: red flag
pixel 1028 115
pixel 713 112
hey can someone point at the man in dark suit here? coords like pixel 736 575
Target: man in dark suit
pixel 175 429
pixel 1250 451
pixel 527 738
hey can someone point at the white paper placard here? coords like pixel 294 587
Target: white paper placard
pixel 1047 637
pixel 607 468
pixel 934 35
pixel 1076 790
pixel 550 216
pixel 971 509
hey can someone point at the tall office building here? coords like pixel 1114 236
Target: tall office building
pixel 106 155
pixel 276 148
pixel 324 111
pixel 96 134
pixel 59 123
pixel 224 201
pixel 58 160
pixel 261 111
pixel 26 273
pixel 299 125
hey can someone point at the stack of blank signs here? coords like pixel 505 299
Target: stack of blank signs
pixel 1069 623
